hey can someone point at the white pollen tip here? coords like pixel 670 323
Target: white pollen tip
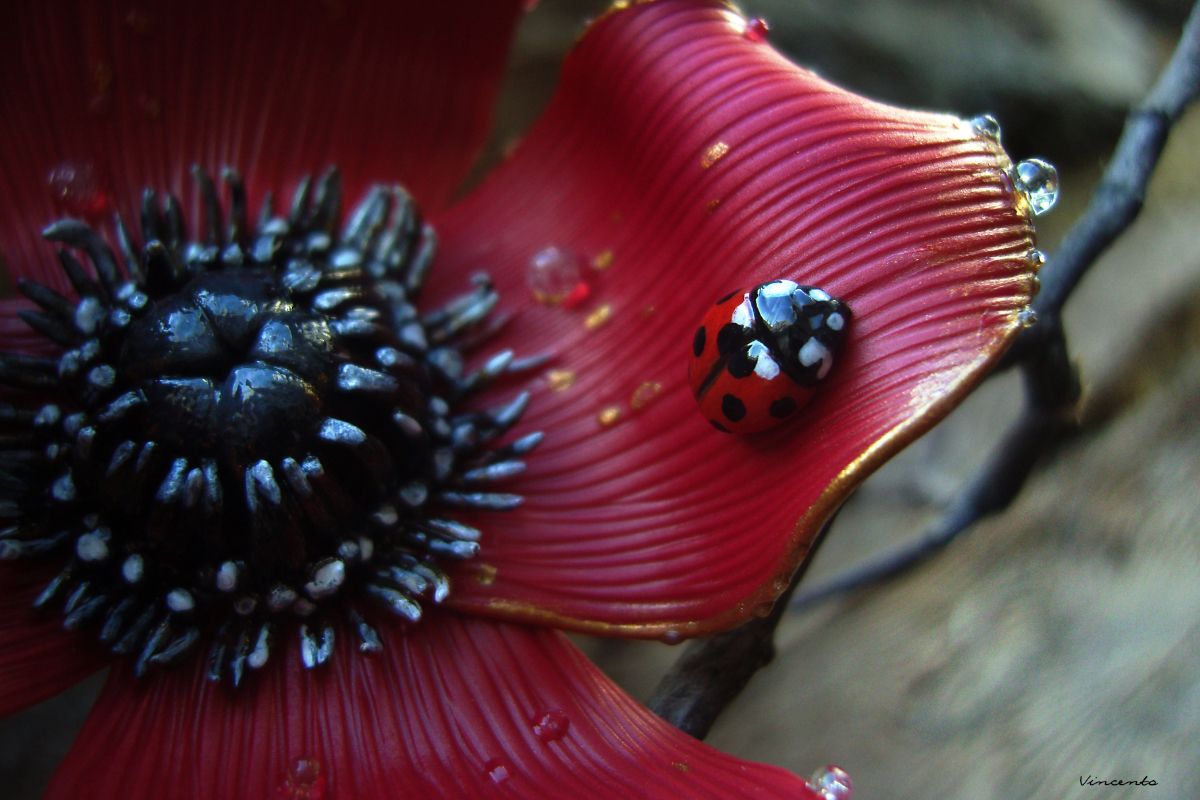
pixel 91 547
pixel 180 601
pixel 227 575
pixel 132 569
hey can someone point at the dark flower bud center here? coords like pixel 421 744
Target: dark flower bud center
pixel 229 368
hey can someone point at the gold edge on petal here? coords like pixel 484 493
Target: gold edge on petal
pixel 617 6
pixel 800 541
pixel 882 449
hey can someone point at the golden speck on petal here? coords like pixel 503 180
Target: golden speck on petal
pixel 151 107
pixel 486 575
pixel 609 415
pixel 560 379
pixel 682 766
pixel 603 260
pixel 138 21
pixel 713 154
pixel 713 205
pixel 648 311
pixel 599 317
pixel 101 80
pixel 644 394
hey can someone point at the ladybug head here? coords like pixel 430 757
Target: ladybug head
pixel 804 325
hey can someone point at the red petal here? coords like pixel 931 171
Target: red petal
pixel 38 659
pixel 131 95
pixel 455 708
pixel 700 162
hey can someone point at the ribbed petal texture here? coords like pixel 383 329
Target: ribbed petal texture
pixel 38 659
pixel 458 708
pixel 104 98
pixel 682 160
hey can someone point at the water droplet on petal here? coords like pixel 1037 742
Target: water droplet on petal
pixel 757 29
pixel 551 725
pixel 672 636
pixel 498 770
pixel 1038 182
pixel 305 781
pixel 555 276
pixel 833 783
pixel 1027 317
pixel 76 190
pixel 1037 260
pixel 986 126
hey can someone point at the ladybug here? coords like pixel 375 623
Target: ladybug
pixel 758 355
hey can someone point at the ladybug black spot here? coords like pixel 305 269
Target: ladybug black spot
pixel 783 407
pixel 698 341
pixel 741 365
pixel 727 338
pixel 733 408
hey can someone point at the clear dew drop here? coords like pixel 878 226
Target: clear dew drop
pixel 497 770
pixel 757 30
pixel 1038 182
pixel 1037 260
pixel 76 190
pixel 1027 317
pixel 555 276
pixel 832 782
pixel 552 725
pixel 672 636
pixel 305 780
pixel 986 126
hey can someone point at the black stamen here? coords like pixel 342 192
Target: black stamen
pixel 252 429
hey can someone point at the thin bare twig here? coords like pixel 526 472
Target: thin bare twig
pixel 1052 387
pixel 710 674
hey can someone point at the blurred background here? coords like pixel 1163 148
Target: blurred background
pixel 1062 638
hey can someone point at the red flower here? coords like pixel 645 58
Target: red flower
pixel 682 158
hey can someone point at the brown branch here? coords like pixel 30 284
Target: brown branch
pixel 711 673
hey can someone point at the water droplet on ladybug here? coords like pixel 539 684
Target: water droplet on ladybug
pixel 555 276
pixel 1038 182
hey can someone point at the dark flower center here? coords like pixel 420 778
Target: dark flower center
pixel 251 432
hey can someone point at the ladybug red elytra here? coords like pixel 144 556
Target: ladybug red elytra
pixel 758 355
